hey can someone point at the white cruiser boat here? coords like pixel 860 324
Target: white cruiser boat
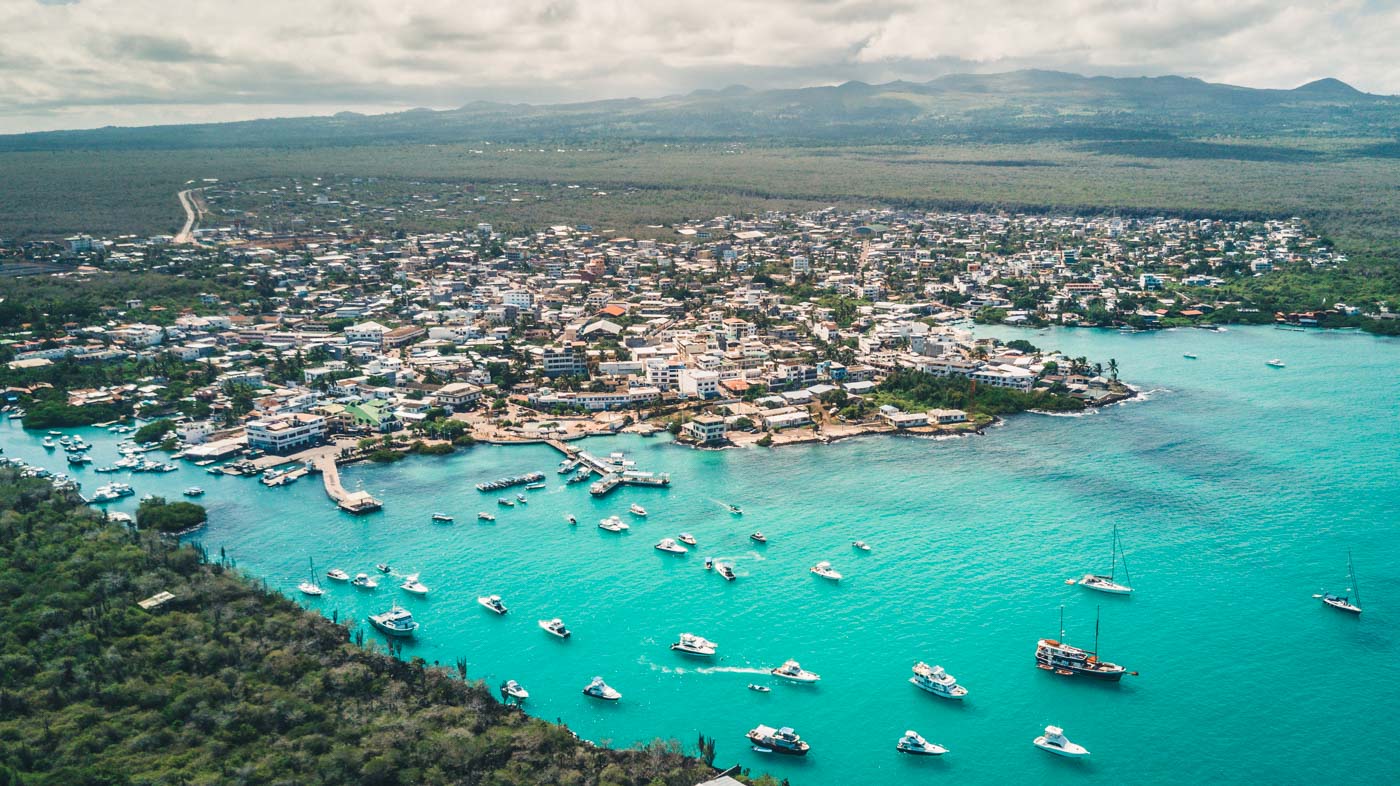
pixel 860 544
pixel 937 681
pixel 483 516
pixel 492 602
pixel 193 491
pixel 513 690
pixel 613 524
pixel 442 518
pixel 914 744
pixel 1275 363
pixel 555 627
pixel 601 690
pixel 784 740
pixel 1109 583
pixel 395 622
pixel 670 545
pixel 1054 741
pixel 412 584
pixel 792 670
pixel 111 492
pixel 336 574
pixel 725 570
pixel 637 510
pixel 686 538
pixel 695 645
pixel 825 570
pixel 363 581
pixel 49 443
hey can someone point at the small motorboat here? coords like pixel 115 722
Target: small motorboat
pixel 443 518
pixel 613 524
pixel 572 519
pixel 521 499
pixel 311 588
pixel 1054 741
pixel 484 516
pixel 825 570
pixel 783 740
pixel 691 644
pixel 535 486
pixel 336 574
pixel 686 538
pixel 555 627
pixel 1189 355
pixel 735 509
pixel 395 622
pixel 914 744
pixel 725 570
pixel 509 503
pixel 637 510
pixel 513 691
pixel 601 690
pixel 1275 363
pixel 49 443
pixel 861 545
pixel 492 602
pixel 671 546
pixel 413 585
pixel 758 537
pixel 383 567
pixel 193 491
pixel 363 581
pixel 792 670
pixel 760 688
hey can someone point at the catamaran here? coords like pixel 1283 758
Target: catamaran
pixel 1344 602
pixel 1109 583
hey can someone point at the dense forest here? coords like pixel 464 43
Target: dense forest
pixel 230 683
pixel 913 391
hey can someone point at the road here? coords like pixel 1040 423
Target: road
pixel 193 212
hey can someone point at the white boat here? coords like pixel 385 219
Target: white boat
pixel 686 538
pixel 310 587
pixel 383 567
pixel 601 690
pixel 937 681
pixel 1189 356
pixel 637 510
pixel 760 688
pixel 1109 583
pixel 336 574
pixel 443 518
pixel 1275 363
pixel 613 524
pixel 691 644
pixel 513 690
pixel 572 518
pixel 484 516
pixel 363 581
pixel 792 670
pixel 860 544
pixel 395 622
pixel 670 545
pixel 111 492
pixel 1054 741
pixel 49 443
pixel 193 491
pixel 555 627
pixel 914 744
pixel 1344 602
pixel 492 602
pixel 783 740
pixel 758 537
pixel 725 570
pixel 521 499
pixel 825 570
pixel 412 584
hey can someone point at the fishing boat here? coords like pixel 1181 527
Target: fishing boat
pixel 915 745
pixel 1054 741
pixel 825 570
pixel 395 622
pixel 613 524
pixel 861 545
pixel 937 681
pixel 555 627
pixel 493 603
pixel 792 671
pixel 509 503
pixel 782 740
pixel 691 644
pixel 1109 583
pixel 671 546
pixel 193 491
pixel 637 510
pixel 336 574
pixel 443 518
pixel 363 581
pixel 1065 660
pixel 686 538
pixel 310 587
pixel 725 570
pixel 1344 602
pixel 484 516
pixel 1275 363
pixel 513 691
pixel 760 688
pixel 758 537
pixel 413 585
pixel 601 690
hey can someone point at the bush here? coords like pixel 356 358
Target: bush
pixel 153 431
pixel 765 441
pixel 438 449
pixel 162 516
pixel 386 456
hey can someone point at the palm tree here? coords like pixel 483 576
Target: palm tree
pixel 1113 368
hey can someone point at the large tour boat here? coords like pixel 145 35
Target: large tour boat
pixel 1065 660
pixel 937 681
pixel 782 740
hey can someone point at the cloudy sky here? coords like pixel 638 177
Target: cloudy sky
pixel 86 63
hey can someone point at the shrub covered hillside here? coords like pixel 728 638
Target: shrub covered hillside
pixel 231 684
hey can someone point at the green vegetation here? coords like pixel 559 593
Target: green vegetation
pixel 51 413
pixel 914 391
pixel 387 456
pixel 167 517
pixel 154 431
pixel 230 683
pixel 436 449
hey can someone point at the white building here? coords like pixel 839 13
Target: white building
pixel 286 433
pixel 706 429
pixel 695 383
pixel 366 333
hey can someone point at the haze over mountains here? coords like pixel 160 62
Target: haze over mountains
pixel 1018 106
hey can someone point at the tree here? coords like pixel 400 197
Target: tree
pixel 157 514
pixel 1113 368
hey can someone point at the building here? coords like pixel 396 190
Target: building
pixel 706 429
pixel 194 432
pixel 695 383
pixel 375 414
pixel 560 361
pixel 945 416
pixel 286 433
pixel 458 396
pixel 366 333
pixel 403 336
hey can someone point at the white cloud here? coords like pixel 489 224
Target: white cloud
pixel 94 62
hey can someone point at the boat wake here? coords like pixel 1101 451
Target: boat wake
pixel 664 669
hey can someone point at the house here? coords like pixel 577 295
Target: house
pixel 945 416
pixel 786 417
pixel 706 429
pixel 375 414
pixel 458 396
pixel 905 419
pixel 695 383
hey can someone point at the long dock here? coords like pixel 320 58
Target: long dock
pixel 349 501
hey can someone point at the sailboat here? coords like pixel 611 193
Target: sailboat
pixel 1056 656
pixel 1344 602
pixel 1109 583
pixel 310 587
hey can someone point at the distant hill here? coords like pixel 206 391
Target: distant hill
pixel 1018 106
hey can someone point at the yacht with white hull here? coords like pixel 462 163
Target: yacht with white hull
pixel 937 681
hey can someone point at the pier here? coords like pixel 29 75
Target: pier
pixel 358 501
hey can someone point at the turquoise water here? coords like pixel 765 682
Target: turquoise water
pixel 1237 489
